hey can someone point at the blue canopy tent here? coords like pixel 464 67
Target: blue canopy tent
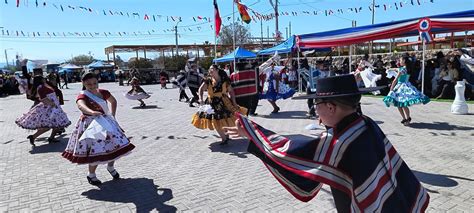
pixel 285 47
pixel 288 46
pixel 240 53
pixel 99 64
pixel 65 70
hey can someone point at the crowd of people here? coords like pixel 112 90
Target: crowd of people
pixel 442 70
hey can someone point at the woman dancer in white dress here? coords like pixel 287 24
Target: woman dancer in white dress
pixel 97 137
pixel 46 115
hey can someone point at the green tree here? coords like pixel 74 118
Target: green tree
pixel 242 34
pixel 118 61
pixel 205 62
pixel 81 60
pixel 140 63
pixel 173 63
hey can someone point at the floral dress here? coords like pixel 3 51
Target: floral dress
pixel 222 109
pixel 96 139
pixel 404 94
pixel 43 115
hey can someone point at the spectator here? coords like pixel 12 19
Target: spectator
pixel 448 78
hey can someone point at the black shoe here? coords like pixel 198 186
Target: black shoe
pixel 94 181
pixel 276 110
pixel 409 120
pixel 403 121
pixel 32 140
pixel 52 140
pixel 114 174
pixel 191 105
pixel 225 142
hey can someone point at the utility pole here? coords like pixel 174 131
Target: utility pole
pixel 176 36
pixel 290 28
pixel 286 29
pixel 275 7
pixel 371 44
pixel 6 57
pixel 268 35
pixel 261 33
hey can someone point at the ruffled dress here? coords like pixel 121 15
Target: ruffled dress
pixel 404 94
pixel 221 112
pixel 97 139
pixel 137 92
pixel 269 87
pixel 42 115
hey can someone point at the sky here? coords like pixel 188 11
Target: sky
pixel 78 31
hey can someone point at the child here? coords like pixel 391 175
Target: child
pixel 403 94
pixel 97 137
pixel 137 93
pixel 163 82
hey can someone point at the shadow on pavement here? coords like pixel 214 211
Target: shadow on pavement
pixel 147 107
pixel 45 147
pixel 286 115
pixel 439 126
pixel 235 147
pixel 438 179
pixel 140 191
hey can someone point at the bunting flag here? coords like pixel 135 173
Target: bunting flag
pixel 424 27
pixel 217 18
pixel 243 12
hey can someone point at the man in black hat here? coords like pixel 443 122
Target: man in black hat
pixel 353 156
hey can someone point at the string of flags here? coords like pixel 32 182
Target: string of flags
pixel 150 16
pixel 7 33
pixel 340 11
pixel 108 12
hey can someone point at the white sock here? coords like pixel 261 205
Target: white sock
pixel 110 168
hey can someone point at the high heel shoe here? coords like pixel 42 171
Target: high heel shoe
pixel 52 140
pixel 32 140
pixel 94 181
pixel 408 121
pixel 114 174
pixel 225 142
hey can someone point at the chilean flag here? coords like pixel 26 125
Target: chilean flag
pixel 217 18
pixel 243 12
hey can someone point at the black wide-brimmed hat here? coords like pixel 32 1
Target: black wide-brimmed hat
pixel 337 86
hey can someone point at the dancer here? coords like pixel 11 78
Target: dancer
pixel 45 115
pixel 273 89
pixel 180 82
pixel 222 107
pixel 353 156
pixel 163 82
pixel 193 79
pixel 97 137
pixel 137 93
pixel 403 94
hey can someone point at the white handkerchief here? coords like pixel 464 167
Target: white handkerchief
pixel 97 129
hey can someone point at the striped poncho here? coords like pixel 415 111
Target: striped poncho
pixel 355 159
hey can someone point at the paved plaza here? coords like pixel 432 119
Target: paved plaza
pixel 176 167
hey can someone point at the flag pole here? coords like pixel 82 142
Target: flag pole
pixel 233 31
pixel 215 46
